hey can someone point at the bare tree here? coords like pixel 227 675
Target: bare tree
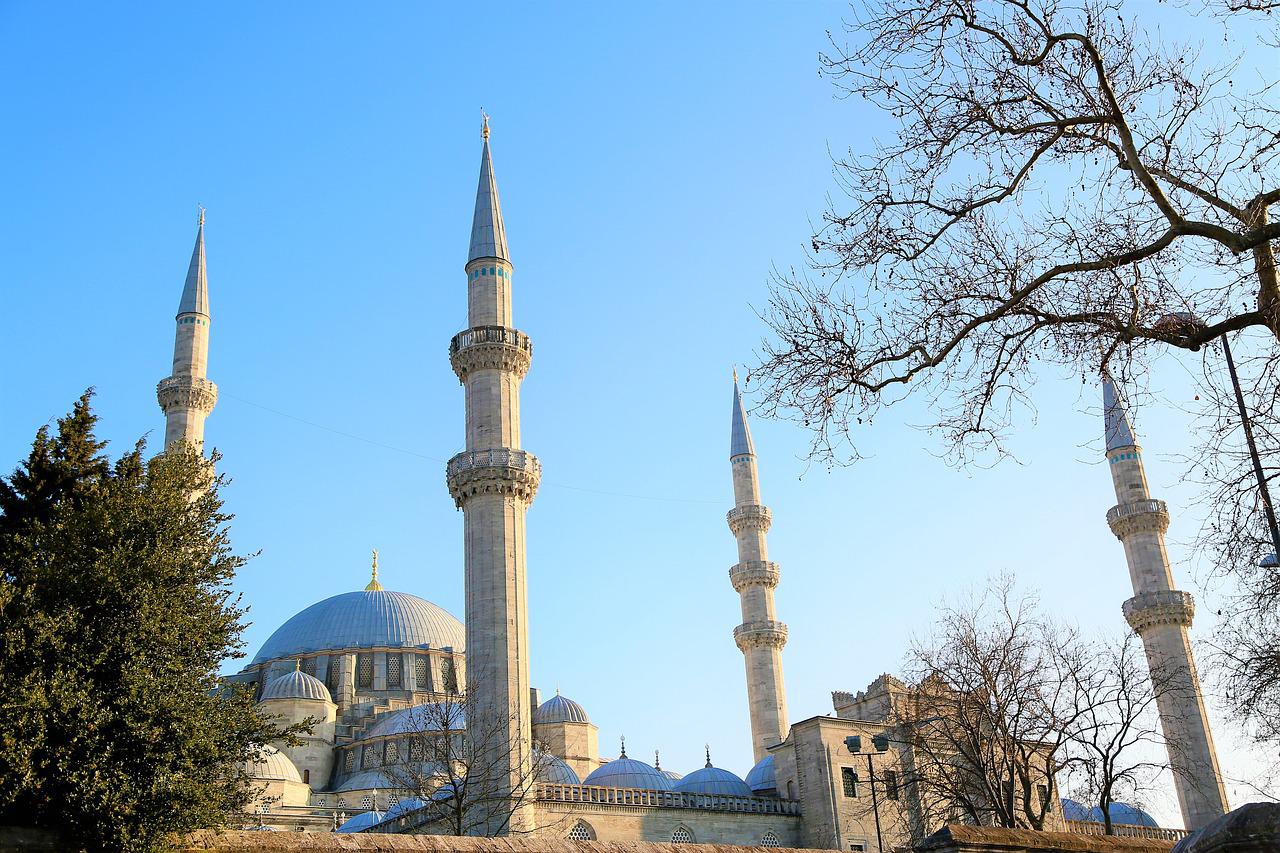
pixel 1115 747
pixel 454 754
pixel 1061 188
pixel 986 723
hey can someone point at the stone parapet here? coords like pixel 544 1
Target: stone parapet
pixel 1145 516
pixel 749 517
pixel 1163 607
pixel 496 471
pixel 761 634
pixel 490 348
pixel 989 839
pixel 187 392
pixel 754 573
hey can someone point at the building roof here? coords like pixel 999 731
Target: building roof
pixel 762 777
pixel 195 293
pixel 367 780
pixel 365 619
pixel 364 820
pixel 1121 813
pixel 273 765
pixel 739 433
pixel 296 685
pixel 427 717
pixel 560 709
pixel 1115 413
pixel 713 780
pixel 628 773
pixel 488 234
pixel 556 771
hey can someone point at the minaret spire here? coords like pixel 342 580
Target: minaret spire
pixel 187 396
pixel 1161 615
pixel 493 482
pixel 761 636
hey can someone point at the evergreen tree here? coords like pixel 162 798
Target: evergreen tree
pixel 115 614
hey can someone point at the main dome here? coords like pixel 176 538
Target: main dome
pixel 365 619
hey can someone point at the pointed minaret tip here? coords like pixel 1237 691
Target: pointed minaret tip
pixel 739 435
pixel 488 234
pixel 195 292
pixel 1115 412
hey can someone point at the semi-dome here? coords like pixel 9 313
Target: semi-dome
pixel 273 765
pixel 365 619
pixel 762 777
pixel 427 717
pixel 628 773
pixel 713 780
pixel 403 807
pixel 364 820
pixel 555 771
pixel 559 709
pixel 367 780
pixel 296 685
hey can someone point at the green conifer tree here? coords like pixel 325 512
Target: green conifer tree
pixel 115 614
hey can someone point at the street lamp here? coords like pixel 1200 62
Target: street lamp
pixel 881 743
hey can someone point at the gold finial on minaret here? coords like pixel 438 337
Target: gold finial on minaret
pixel 374 586
pixel 484 131
pixel 201 209
pixel 735 374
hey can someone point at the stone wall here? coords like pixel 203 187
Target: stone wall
pixel 280 842
pixel 983 839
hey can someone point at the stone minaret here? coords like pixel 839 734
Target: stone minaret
pixel 1161 614
pixel 761 636
pixel 187 397
pixel 493 482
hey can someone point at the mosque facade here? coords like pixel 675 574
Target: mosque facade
pixel 365 664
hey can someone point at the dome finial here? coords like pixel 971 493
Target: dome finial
pixel 373 585
pixel 657 762
pixel 297 665
pixel 624 746
pixel 201 209
pixel 484 131
pixel 708 746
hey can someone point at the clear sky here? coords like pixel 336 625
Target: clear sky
pixel 654 161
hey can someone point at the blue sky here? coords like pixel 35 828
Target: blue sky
pixel 655 161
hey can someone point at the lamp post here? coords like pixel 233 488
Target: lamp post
pixel 881 743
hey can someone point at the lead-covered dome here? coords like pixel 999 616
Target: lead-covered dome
pixel 365 619
pixel 296 685
pixel 555 771
pixel 559 709
pixel 762 777
pixel 273 765
pixel 628 773
pixel 713 780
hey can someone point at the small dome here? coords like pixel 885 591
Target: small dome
pixel 414 719
pixel 672 775
pixel 713 780
pixel 364 620
pixel 1071 810
pixel 364 820
pixel 559 709
pixel 296 685
pixel 761 777
pixel 402 808
pixel 273 765
pixel 555 771
pixel 1121 813
pixel 628 773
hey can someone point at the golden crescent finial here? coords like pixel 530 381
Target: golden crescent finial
pixel 484 131
pixel 201 209
pixel 374 586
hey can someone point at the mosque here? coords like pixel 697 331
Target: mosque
pixel 365 664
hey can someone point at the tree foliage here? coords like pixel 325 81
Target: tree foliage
pixel 115 614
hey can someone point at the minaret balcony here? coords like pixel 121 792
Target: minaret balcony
pixel 187 392
pixel 1144 516
pixel 754 573
pixel 1161 607
pixel 496 471
pixel 749 517
pixel 490 348
pixel 760 635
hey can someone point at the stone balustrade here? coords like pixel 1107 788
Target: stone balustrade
pixel 1124 830
pixel 750 635
pixel 496 471
pixel 1149 516
pixel 1162 607
pixel 186 392
pixel 490 348
pixel 597 795
pixel 754 573
pixel 751 516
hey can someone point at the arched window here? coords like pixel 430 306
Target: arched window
pixel 306 776
pixel 682 835
pixel 349 760
pixel 264 809
pixel 791 789
pixel 449 675
pixel 581 832
pixel 770 840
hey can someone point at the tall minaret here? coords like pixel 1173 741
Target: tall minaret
pixel 187 397
pixel 761 636
pixel 493 482
pixel 1161 614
